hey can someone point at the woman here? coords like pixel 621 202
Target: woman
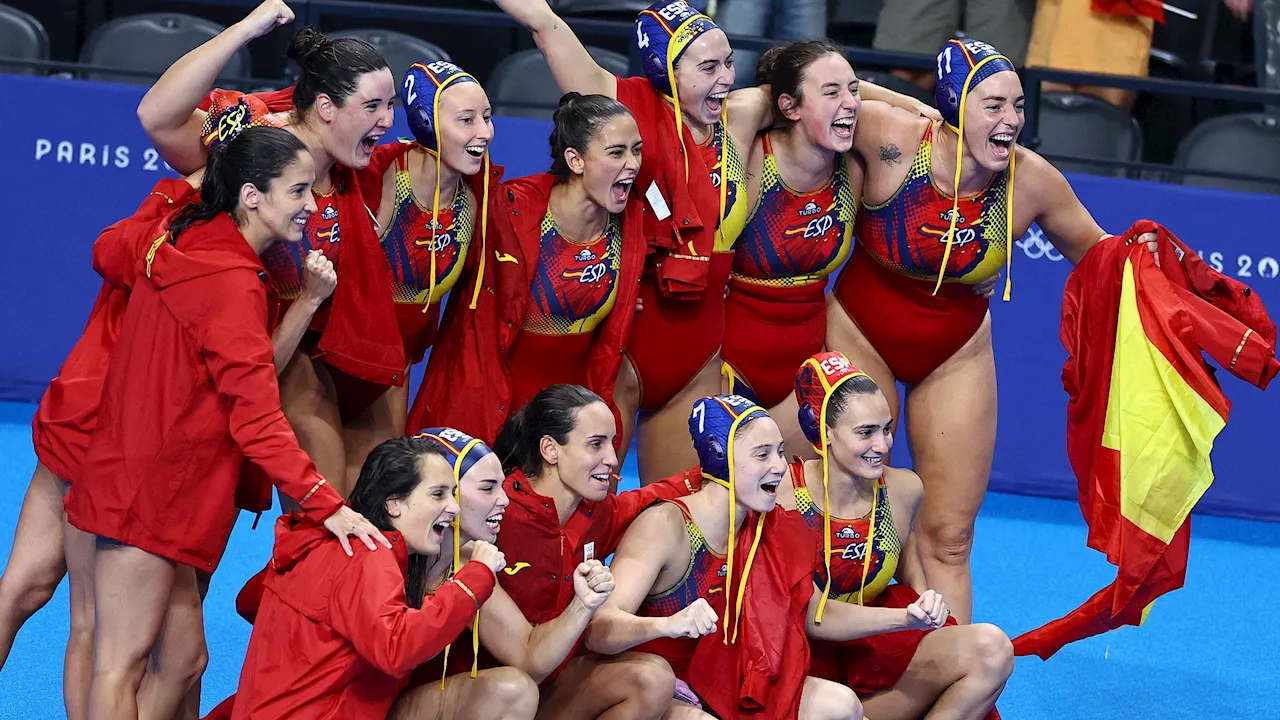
pixel 339 638
pixel 340 108
pixel 853 501
pixel 803 189
pixel 558 453
pixel 721 580
pixel 559 307
pixel 931 224
pixel 673 355
pixel 189 395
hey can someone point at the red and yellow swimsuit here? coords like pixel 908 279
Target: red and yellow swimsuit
pixel 887 285
pixel 775 315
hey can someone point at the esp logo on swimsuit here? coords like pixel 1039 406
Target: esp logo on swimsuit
pixel 593 273
pixel 819 226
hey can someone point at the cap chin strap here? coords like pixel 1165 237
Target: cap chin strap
pixel 457 562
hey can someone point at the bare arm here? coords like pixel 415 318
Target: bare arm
pixel 168 111
pixel 539 650
pixel 879 127
pixel 1059 213
pixel 910 568
pixel 318 282
pixel 647 548
pixel 873 92
pixel 844 621
pixel 573 67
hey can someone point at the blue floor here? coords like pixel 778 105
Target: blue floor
pixel 1208 650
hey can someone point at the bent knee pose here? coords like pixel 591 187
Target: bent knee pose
pixel 803 189
pixel 938 217
pixel 160 482
pixel 865 511
pixel 339 108
pixel 556 306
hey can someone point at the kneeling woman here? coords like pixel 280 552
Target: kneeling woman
pixel 675 574
pixel 556 302
pixel 190 394
pixel 954 671
pixel 339 638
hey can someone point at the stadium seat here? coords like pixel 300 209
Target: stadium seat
pixel 399 49
pixel 522 84
pixel 24 38
pixel 151 43
pixel 1245 143
pixel 1184 45
pixel 1079 126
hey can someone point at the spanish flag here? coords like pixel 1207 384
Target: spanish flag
pixel 1144 411
pixel 1153 9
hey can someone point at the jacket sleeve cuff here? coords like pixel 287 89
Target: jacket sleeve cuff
pixel 477 581
pixel 755 690
pixel 321 501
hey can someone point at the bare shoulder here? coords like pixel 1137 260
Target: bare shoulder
pixel 904 486
pixel 657 527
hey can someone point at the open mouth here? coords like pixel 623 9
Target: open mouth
pixel 621 190
pixel 602 478
pixel 437 530
pixel 1002 144
pixel 715 101
pixel 475 151
pixel 873 460
pixel 369 142
pixel 770 488
pixel 301 220
pixel 843 128
pixel 494 522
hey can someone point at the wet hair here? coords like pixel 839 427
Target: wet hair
pixel 554 412
pixel 332 67
pixel 257 156
pixel 577 120
pixel 782 67
pixel 842 395
pixel 393 470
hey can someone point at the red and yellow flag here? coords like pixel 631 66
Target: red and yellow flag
pixel 1153 9
pixel 1144 413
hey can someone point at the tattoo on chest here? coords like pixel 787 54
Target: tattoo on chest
pixel 890 154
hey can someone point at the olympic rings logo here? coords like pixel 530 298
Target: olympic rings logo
pixel 1035 246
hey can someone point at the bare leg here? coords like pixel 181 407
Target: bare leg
pixel 384 419
pixel 626 395
pixel 951 421
pixel 825 700
pixel 131 599
pixel 665 447
pixel 190 709
pixel 498 694
pixel 680 711
pixel 36 563
pixel 77 670
pixel 957 673
pixel 310 402
pixel 180 655
pixel 630 686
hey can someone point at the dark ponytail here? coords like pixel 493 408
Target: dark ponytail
pixel 782 67
pixel 257 156
pixel 577 120
pixel 332 67
pixel 554 412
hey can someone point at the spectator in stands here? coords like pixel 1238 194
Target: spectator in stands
pixel 922 26
pixel 788 20
pixel 1072 36
pixel 1266 36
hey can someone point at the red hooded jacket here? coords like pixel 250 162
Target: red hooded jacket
pixel 68 412
pixel 685 240
pixel 335 636
pixel 468 383
pixel 189 395
pixel 762 674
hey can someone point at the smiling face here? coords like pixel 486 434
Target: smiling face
pixel 704 74
pixel 483 500
pixel 354 129
pixel 862 436
pixel 609 167
pixel 760 461
pixel 587 459
pixel 425 513
pixel 466 127
pixel 993 120
pixel 828 106
pixel 287 203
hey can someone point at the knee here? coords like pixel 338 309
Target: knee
pixel 839 703
pixel 948 543
pixel 513 690
pixel 23 596
pixel 991 652
pixel 185 666
pixel 651 683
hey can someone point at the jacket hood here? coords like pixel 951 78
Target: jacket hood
pixel 203 249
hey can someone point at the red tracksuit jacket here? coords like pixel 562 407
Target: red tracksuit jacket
pixel 468 380
pixel 189 395
pixel 335 636
pixel 68 412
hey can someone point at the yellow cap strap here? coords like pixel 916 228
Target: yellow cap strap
pixel 484 232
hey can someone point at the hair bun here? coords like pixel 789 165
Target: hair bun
pixel 306 45
pixel 568 98
pixel 764 67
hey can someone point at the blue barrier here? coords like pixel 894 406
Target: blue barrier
pixel 75 160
